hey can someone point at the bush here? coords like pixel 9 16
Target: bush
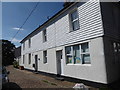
pixel 15 64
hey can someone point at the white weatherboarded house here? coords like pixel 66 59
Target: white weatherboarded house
pixel 81 41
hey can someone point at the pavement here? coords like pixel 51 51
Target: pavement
pixel 25 79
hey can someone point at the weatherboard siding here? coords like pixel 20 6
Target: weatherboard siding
pixel 58 32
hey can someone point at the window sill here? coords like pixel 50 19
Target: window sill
pixel 73 30
pixel 80 64
pixel 44 41
pixel 45 63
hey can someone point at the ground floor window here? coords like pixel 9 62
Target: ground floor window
pixel 29 55
pixel 78 54
pixel 23 59
pixel 44 57
pixel 116 50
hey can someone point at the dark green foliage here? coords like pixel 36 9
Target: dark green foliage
pixel 15 64
pixel 7 52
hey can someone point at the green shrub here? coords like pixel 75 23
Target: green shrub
pixel 15 64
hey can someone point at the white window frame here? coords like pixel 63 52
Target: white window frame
pixel 69 55
pixel 29 42
pixel 72 21
pixel 45 57
pixel 80 49
pixel 44 35
pixel 84 52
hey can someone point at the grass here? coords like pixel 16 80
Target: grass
pixel 53 84
pixel 49 82
pixel 45 81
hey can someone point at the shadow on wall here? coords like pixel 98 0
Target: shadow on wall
pixel 11 85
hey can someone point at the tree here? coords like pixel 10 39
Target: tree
pixel 7 52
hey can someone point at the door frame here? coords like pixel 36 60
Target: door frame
pixel 59 65
pixel 36 62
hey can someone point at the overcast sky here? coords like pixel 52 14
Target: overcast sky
pixel 15 13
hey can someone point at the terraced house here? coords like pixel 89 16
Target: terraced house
pixel 81 41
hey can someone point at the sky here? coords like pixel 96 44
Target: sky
pixel 15 13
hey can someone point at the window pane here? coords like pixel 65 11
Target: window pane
pixel 74 15
pixel 24 46
pixel 115 47
pixel 84 47
pixel 86 58
pixel 45 56
pixel 44 35
pixel 68 50
pixel 76 52
pixel 29 43
pixel 29 58
pixel 68 55
pixel 23 59
pixel 69 59
pixel 75 25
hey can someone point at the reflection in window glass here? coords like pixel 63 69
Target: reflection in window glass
pixel 68 55
pixel 69 59
pixel 76 53
pixel 115 47
pixel 68 50
pixel 45 57
pixel 74 15
pixel 44 35
pixel 84 47
pixel 74 20
pixel 75 25
pixel 86 58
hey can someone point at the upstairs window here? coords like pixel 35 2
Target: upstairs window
pixel 29 43
pixel 44 57
pixel 44 36
pixel 24 46
pixel 74 20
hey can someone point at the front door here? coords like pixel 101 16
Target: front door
pixel 36 62
pixel 59 62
